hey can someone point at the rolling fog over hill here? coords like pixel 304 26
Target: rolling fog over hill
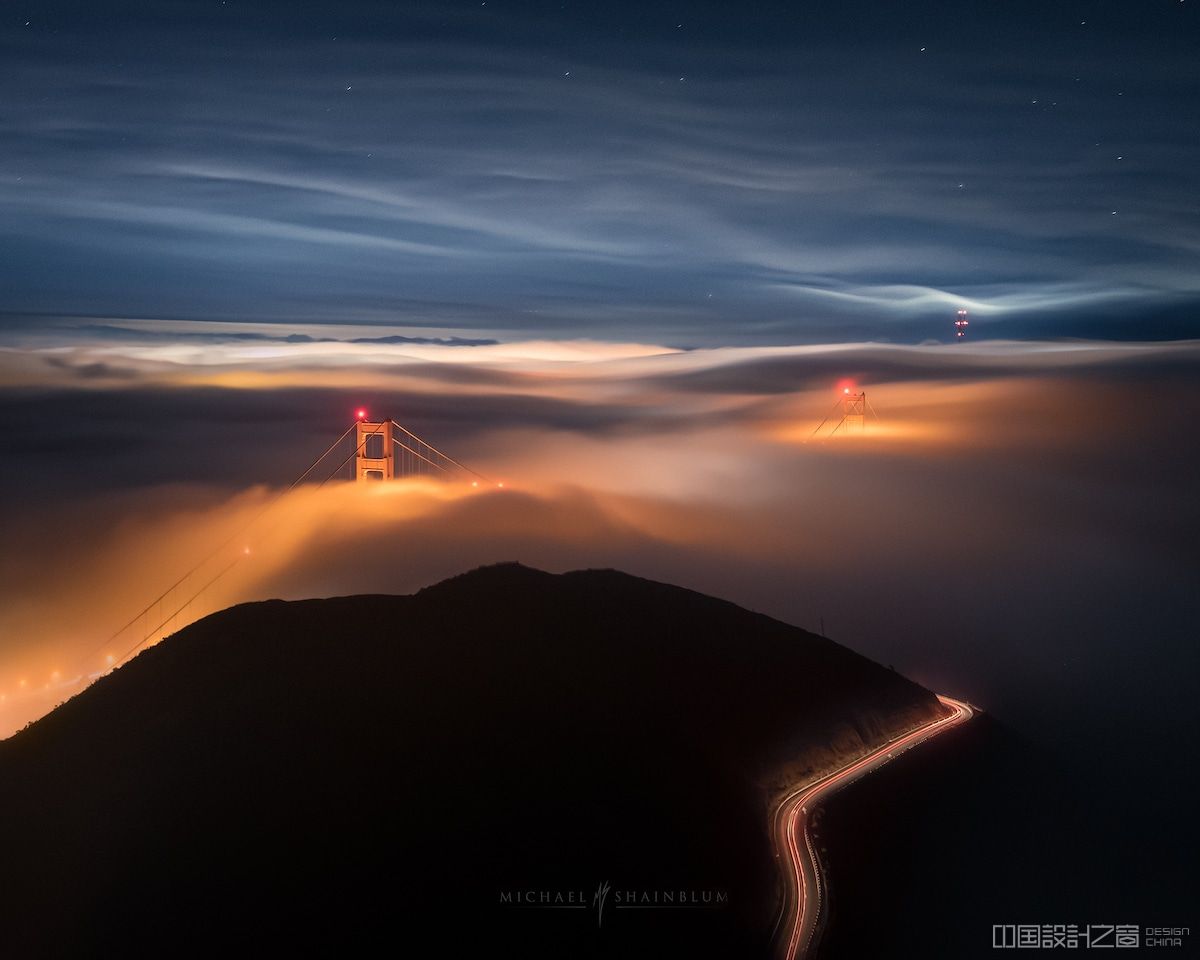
pixel 1013 530
pixel 402 760
pixel 1015 527
pixel 621 259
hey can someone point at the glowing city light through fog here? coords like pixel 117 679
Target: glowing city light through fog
pixel 179 604
pixel 676 481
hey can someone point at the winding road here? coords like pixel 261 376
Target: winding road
pixel 804 893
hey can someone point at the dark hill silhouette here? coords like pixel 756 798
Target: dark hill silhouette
pixel 344 773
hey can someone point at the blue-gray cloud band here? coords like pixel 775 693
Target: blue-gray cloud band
pixel 492 171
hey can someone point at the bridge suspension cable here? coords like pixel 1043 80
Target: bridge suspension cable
pixel 137 646
pixel 216 550
pixel 855 407
pixel 404 446
pixel 225 543
pixel 837 403
pixel 444 456
pixel 245 528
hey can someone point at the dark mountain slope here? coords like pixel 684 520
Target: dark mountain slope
pixel 326 773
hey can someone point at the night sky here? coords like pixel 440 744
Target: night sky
pixel 624 257
pixel 698 174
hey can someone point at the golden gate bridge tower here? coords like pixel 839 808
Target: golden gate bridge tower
pixel 374 454
pixel 854 407
pixel 385 449
pixel 960 324
pixel 854 412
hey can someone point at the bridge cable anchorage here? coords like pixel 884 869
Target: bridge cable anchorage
pixel 237 534
pixel 461 466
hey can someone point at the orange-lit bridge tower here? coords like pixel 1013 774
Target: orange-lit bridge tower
pixel 375 453
pixel 853 407
pixel 854 413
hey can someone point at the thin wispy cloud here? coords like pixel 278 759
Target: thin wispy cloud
pixel 745 184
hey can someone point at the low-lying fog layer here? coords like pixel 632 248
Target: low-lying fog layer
pixel 1015 526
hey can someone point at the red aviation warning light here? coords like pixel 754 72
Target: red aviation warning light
pixel 960 324
pixel 360 413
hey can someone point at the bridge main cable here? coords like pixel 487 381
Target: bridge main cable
pixel 825 421
pixel 217 549
pixel 183 606
pixel 461 466
pixel 404 446
pixel 242 530
pixel 236 560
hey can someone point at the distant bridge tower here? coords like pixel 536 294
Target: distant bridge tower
pixel 854 412
pixel 961 323
pixel 373 459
